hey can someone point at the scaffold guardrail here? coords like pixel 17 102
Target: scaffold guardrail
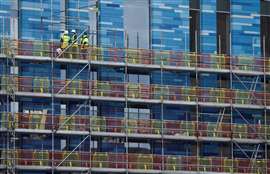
pixel 33 121
pixel 143 56
pixel 144 162
pixel 135 91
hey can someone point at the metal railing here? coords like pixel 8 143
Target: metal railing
pixel 135 126
pixel 135 91
pixel 145 162
pixel 143 56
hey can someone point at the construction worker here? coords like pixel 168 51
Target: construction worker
pixel 74 42
pixel 64 43
pixel 74 37
pixel 65 40
pixel 59 50
pixel 84 45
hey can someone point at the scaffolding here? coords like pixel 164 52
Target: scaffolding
pixel 225 99
pixel 228 100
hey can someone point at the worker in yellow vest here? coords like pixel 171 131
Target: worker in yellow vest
pixel 74 42
pixel 64 43
pixel 65 40
pixel 84 45
pixel 74 37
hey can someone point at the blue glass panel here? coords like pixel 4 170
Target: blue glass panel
pixel 208 80
pixel 108 109
pixel 111 27
pixel 246 83
pixel 171 78
pixel 245 26
pixel 78 15
pixel 176 113
pixel 177 148
pixel 111 74
pixel 6 17
pixel 170 24
pixel 39 21
pixel 251 116
pixel 210 149
pixel 208 26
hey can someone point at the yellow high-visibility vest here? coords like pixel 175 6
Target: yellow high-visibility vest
pixel 65 41
pixel 74 40
pixel 84 42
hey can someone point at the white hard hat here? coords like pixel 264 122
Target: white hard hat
pixel 65 32
pixel 73 31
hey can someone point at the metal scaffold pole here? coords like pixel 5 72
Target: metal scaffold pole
pixel 90 78
pixel 231 109
pixel 197 100
pixel 126 104
pixel 265 105
pixel 52 92
pixel 162 110
pixel 161 103
pixel 90 103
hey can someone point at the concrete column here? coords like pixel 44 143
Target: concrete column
pixel 93 20
pixel 63 15
pixel 14 24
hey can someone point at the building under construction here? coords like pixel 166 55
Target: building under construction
pixel 165 86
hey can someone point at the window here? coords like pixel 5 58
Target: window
pixel 35 142
pixel 170 25
pixel 94 145
pixel 210 149
pixel 208 80
pixel 111 27
pixel 250 116
pixel 93 110
pixel 177 148
pixel 111 109
pixel 248 150
pixel 77 15
pixel 139 147
pixel 208 31
pixel 81 109
pixel 63 109
pixel 63 74
pixel 137 113
pixel 113 145
pixel 139 78
pixel 248 83
pixel 111 74
pixel 171 78
pixel 35 20
pixel 212 114
pixel 176 113
pixel 245 39
pixel 93 75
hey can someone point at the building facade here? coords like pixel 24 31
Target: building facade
pixel 166 86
